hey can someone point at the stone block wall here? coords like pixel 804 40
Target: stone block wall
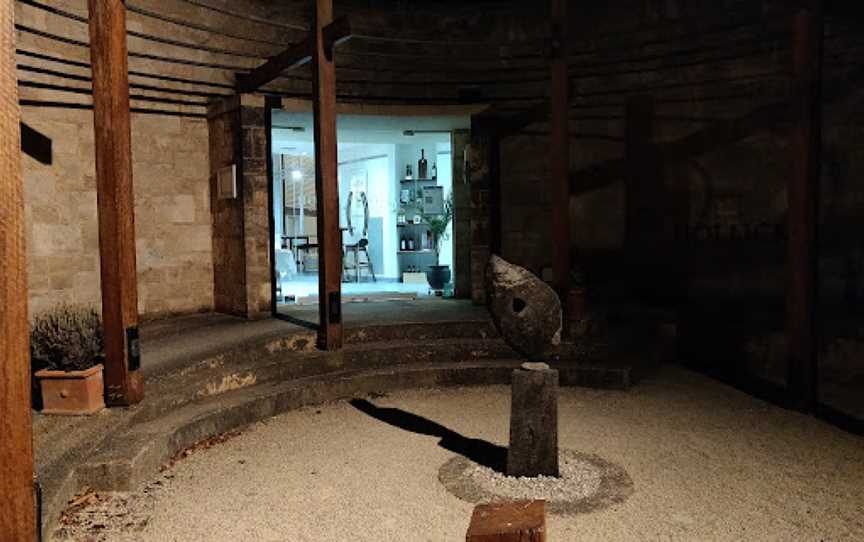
pixel 172 213
pixel 241 227
pixel 256 211
pixel 229 254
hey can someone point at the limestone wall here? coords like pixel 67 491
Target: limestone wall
pixel 172 213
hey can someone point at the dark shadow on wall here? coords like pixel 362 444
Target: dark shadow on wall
pixel 479 451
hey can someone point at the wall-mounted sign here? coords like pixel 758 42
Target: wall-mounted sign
pixel 226 182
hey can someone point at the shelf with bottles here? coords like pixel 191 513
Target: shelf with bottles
pixel 423 173
pixel 421 251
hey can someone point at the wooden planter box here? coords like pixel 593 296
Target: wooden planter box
pixel 72 393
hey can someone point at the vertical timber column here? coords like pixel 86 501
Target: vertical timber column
pixel 17 509
pixel 326 185
pixel 643 195
pixel 559 147
pixel 803 192
pixel 495 234
pixel 639 115
pixel 124 383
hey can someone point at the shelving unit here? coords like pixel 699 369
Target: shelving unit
pixel 414 260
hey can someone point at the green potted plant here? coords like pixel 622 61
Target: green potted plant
pixel 439 275
pixel 66 352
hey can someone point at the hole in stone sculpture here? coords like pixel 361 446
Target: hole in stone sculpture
pixel 519 305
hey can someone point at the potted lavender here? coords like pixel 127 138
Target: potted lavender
pixel 66 352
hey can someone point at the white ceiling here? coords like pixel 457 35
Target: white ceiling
pixel 364 129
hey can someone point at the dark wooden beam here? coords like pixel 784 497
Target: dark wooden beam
pixel 18 521
pixel 326 184
pixel 717 135
pixel 559 147
pixel 35 145
pixel 803 195
pixel 508 124
pixel 114 196
pixel 336 33
pixel 295 56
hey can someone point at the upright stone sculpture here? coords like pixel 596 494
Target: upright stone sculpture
pixel 533 447
pixel 528 315
pixel 526 311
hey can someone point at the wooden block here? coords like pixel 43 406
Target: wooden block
pixel 414 278
pixel 519 521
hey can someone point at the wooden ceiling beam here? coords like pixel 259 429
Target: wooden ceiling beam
pixel 298 54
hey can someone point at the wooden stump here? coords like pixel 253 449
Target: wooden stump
pixel 533 447
pixel 521 521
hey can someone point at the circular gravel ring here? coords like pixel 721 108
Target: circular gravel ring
pixel 614 487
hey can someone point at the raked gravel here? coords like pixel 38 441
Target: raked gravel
pixel 706 463
pixel 579 479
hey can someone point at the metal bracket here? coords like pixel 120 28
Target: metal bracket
pixel 133 348
pixel 334 312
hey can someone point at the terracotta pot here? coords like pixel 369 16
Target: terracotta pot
pixel 72 393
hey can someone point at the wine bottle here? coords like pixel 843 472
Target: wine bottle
pixel 434 171
pixel 408 173
pixel 422 165
pixel 410 243
pixel 402 244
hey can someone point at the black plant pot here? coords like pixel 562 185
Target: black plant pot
pixel 438 276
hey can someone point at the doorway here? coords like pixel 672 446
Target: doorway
pixel 396 212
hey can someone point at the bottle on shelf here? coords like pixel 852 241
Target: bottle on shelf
pixel 422 165
pixel 434 171
pixel 408 173
pixel 411 243
pixel 403 245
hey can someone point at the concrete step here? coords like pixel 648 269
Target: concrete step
pixel 256 364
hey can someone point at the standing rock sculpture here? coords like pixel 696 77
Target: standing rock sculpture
pixel 526 311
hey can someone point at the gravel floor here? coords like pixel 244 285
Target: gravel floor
pixel 707 463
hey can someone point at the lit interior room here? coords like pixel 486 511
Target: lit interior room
pixel 395 177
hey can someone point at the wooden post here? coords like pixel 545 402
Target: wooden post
pixel 17 507
pixel 326 184
pixel 123 381
pixel 641 180
pixel 803 192
pixel 559 148
pixel 645 203
pixel 495 233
